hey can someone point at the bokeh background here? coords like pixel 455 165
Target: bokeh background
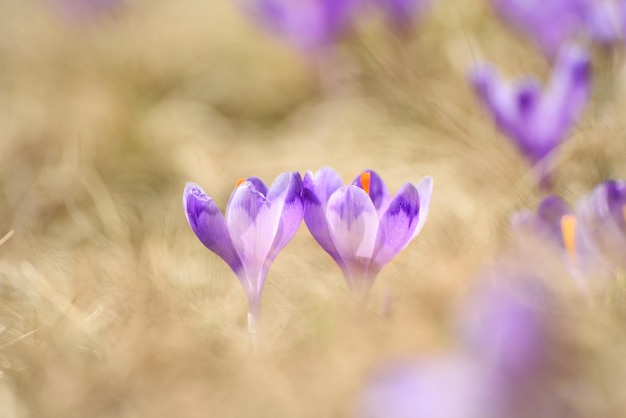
pixel 109 305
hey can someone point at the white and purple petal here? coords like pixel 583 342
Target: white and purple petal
pixel 288 189
pixel 317 189
pixel 207 222
pixel 397 225
pixel 252 221
pixel 425 190
pixel 353 225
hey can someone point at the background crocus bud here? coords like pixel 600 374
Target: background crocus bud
pixel 537 120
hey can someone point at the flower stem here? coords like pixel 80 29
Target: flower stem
pixel 253 330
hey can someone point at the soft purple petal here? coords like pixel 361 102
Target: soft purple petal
pixel 315 194
pixel 425 190
pixel 505 325
pixel 323 183
pixel 292 213
pixel 378 191
pixel 253 222
pixel 259 185
pixel 565 97
pixel 604 21
pixel 441 387
pixel 208 224
pixel 497 96
pixel 602 224
pixel 353 225
pixel 397 225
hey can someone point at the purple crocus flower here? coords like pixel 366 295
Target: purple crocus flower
pixel 360 225
pixel 537 121
pixel 308 24
pixel 602 218
pixel 552 23
pixel 259 222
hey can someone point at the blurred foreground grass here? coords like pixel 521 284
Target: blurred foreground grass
pixel 110 307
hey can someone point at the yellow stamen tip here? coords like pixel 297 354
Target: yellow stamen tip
pixel 239 182
pixel 365 179
pixel 568 233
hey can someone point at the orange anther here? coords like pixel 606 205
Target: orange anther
pixel 365 179
pixel 568 233
pixel 239 182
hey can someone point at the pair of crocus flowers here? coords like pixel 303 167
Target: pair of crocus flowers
pixel 360 225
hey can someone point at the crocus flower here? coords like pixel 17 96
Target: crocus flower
pixel 360 225
pixel 307 24
pixel 259 222
pixel 537 121
pixel 553 23
pixel 602 218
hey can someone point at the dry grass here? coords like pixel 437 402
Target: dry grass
pixel 110 307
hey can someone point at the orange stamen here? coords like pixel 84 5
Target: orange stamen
pixel 239 182
pixel 568 233
pixel 365 179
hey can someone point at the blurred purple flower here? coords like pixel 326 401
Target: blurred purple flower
pixel 504 324
pixel 308 24
pixel 498 374
pixel 602 218
pixel 259 222
pixel 537 121
pixel 360 225
pixel 552 23
pixel 444 387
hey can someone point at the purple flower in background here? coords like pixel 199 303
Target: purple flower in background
pixel 449 386
pixel 498 373
pixel 259 222
pixel 308 24
pixel 602 220
pixel 360 225
pixel 504 324
pixel 552 23
pixel 537 121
